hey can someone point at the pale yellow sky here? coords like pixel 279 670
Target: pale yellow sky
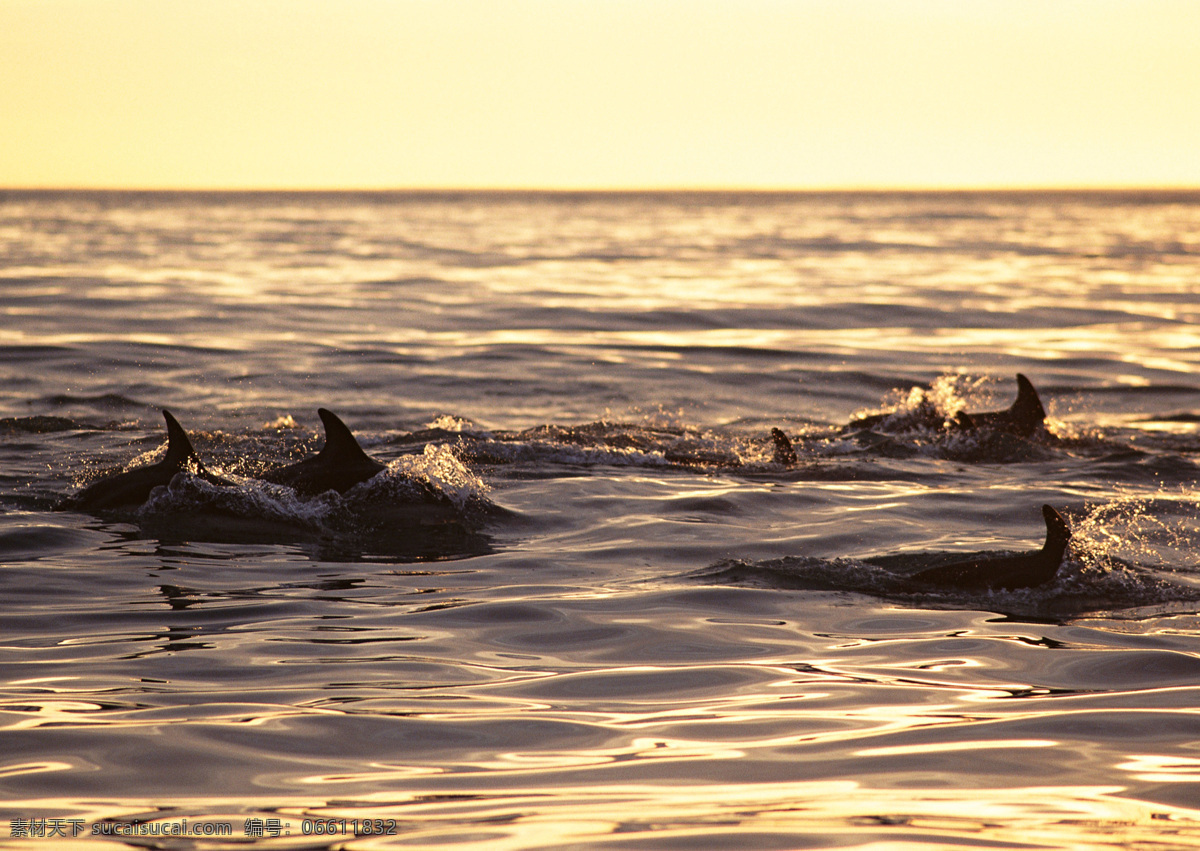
pixel 599 94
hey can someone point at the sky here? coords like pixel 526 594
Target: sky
pixel 599 94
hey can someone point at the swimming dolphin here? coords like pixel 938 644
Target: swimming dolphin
pixel 1023 417
pixel 340 465
pixel 784 453
pixel 1025 570
pixel 133 487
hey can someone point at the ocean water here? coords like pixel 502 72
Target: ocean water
pixel 628 625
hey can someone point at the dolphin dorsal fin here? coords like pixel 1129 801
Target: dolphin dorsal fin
pixel 785 453
pixel 1058 533
pixel 340 442
pixel 1027 410
pixel 179 447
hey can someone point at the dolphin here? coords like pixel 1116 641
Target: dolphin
pixel 1025 570
pixel 784 453
pixel 1025 416
pixel 133 487
pixel 340 465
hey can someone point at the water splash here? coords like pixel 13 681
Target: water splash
pixel 440 468
pixel 933 406
pixel 1161 530
pixel 452 423
pixel 657 418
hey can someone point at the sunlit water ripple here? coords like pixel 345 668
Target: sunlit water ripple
pixel 641 630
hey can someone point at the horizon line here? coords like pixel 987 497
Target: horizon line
pixel 630 190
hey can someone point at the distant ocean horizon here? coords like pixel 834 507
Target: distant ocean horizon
pixel 450 190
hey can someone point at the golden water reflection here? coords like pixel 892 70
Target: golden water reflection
pixel 766 815
pixel 748 815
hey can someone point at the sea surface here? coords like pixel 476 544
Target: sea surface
pixel 630 625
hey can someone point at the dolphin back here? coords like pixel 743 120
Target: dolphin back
pixel 133 487
pixel 1024 570
pixel 340 465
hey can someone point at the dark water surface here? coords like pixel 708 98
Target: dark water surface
pixel 630 626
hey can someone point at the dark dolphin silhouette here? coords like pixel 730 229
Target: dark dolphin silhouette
pixel 1025 416
pixel 133 487
pixel 340 465
pixel 785 454
pixel 1025 570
